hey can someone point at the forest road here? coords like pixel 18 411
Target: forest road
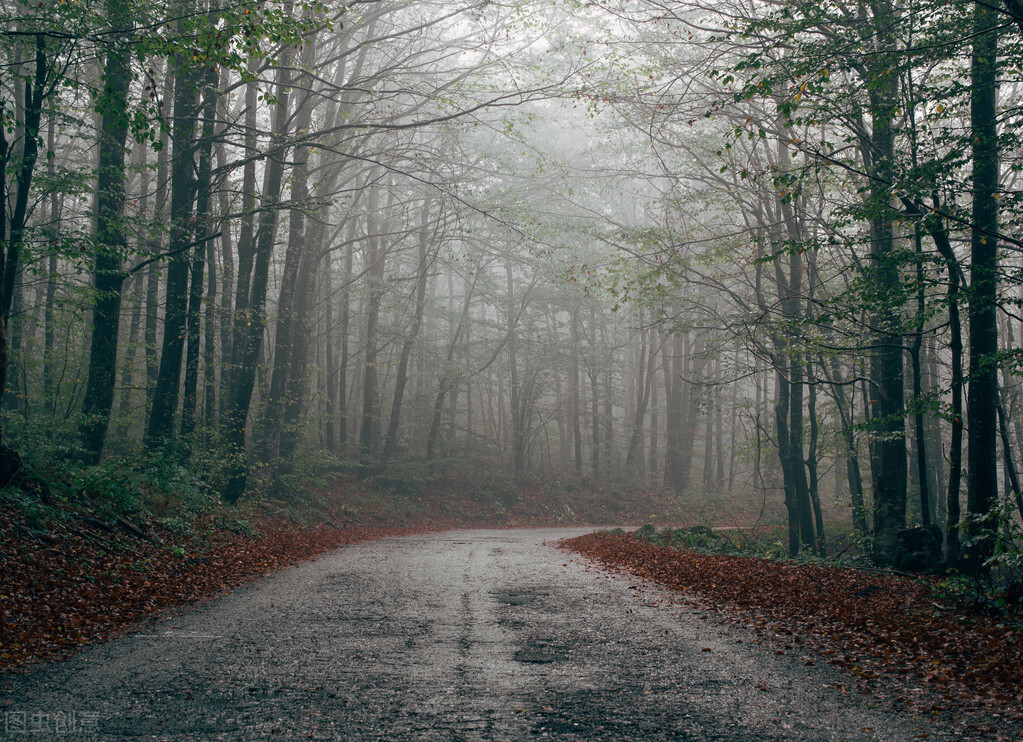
pixel 461 635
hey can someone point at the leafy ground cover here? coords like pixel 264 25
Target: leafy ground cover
pixel 97 551
pixel 82 583
pixel 876 626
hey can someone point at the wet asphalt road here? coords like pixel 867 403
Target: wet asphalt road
pixel 463 635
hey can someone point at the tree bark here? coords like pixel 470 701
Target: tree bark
pixel 427 256
pixel 287 335
pixel 10 462
pixel 168 379
pixel 250 314
pixel 203 209
pixel 887 388
pixel 108 276
pixel 575 401
pixel 982 394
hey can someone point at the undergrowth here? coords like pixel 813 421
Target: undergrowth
pixel 996 592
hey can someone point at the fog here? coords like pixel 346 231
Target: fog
pixel 717 249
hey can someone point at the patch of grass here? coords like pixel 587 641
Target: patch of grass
pixel 698 538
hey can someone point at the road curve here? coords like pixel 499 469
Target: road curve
pixel 462 635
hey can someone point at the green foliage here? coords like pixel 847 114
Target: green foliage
pixel 129 485
pixel 997 595
pixel 699 538
pixel 405 477
pixel 39 516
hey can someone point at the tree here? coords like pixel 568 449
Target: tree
pixel 111 241
pixel 982 398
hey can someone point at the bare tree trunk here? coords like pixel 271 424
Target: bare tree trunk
pixel 108 276
pixel 447 382
pixel 518 432
pixel 886 364
pixel 653 443
pixel 342 371
pixel 982 395
pixel 918 401
pixel 427 257
pixel 594 373
pixel 251 317
pixel 673 386
pixel 847 416
pixel 375 257
pixel 165 395
pixel 575 403
pixel 49 313
pixel 811 464
pixel 127 371
pixel 719 447
pixel 330 413
pixel 246 251
pixel 203 207
pixel 644 377
pixel 153 271
pixel 691 413
pixel 288 331
pixel 782 406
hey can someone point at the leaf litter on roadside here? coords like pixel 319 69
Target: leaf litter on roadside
pixel 82 585
pixel 871 624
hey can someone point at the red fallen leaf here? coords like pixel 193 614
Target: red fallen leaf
pixel 67 596
pixel 870 624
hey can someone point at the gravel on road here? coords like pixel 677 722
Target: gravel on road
pixel 461 635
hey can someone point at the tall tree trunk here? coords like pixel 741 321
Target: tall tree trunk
pixel 286 337
pixel 694 371
pixel 168 379
pixel 108 276
pixel 811 465
pixel 719 448
pixel 644 377
pixel 153 271
pixel 447 380
pixel 226 275
pixel 674 385
pixel 14 229
pixel 594 374
pixel 344 321
pixel 375 258
pixel 847 416
pixel 128 370
pixel 654 442
pixel 955 453
pixel 295 395
pixel 575 402
pixel 330 413
pixel 982 395
pixel 203 209
pixel 128 364
pixel 782 405
pixel 246 250
pixel 887 388
pixel 918 401
pixel 518 423
pixel 426 261
pixel 247 343
pixel 209 381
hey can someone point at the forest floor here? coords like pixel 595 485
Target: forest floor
pixel 897 637
pixel 476 635
pixel 76 573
